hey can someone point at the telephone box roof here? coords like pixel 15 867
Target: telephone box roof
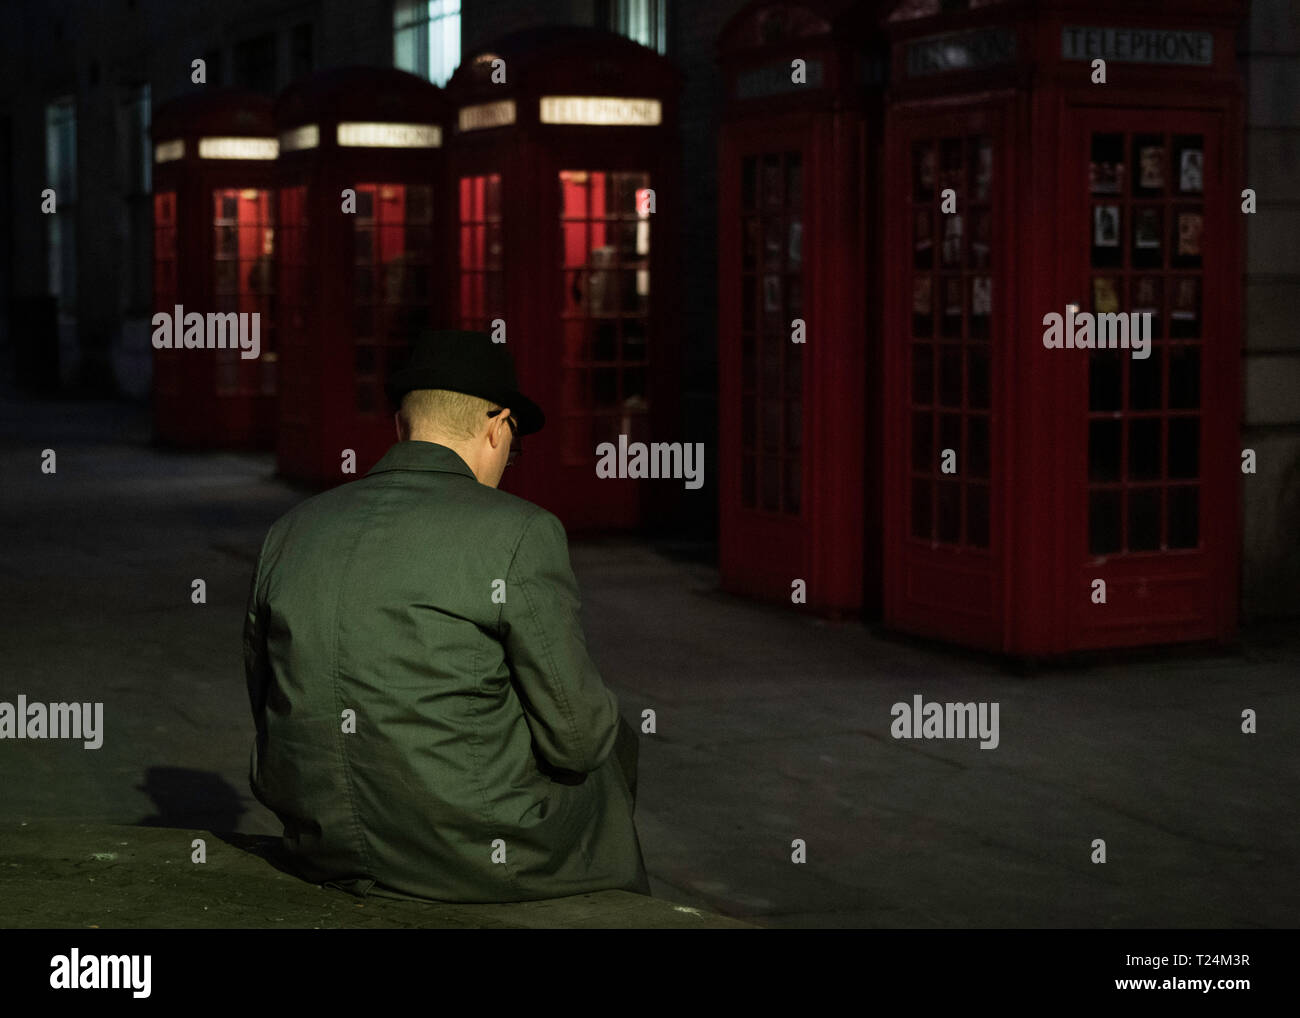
pixel 383 94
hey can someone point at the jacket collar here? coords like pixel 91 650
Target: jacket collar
pixel 413 455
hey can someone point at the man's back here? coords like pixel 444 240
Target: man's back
pixel 443 614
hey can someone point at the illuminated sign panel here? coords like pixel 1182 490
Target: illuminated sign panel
pixel 485 115
pixel 600 111
pixel 298 138
pixel 378 135
pixel 169 151
pixel 238 148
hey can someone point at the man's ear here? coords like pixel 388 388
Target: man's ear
pixel 397 423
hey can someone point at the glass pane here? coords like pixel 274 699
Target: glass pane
pixel 922 307
pixel 1107 228
pixel 1189 151
pixel 977 447
pixel 950 327
pixel 949 503
pixel 1184 447
pixel 1148 229
pixel 1188 225
pixel 1106 168
pixel 1103 522
pixel 922 373
pixel 1149 172
pixel 1184 517
pixel 950 358
pixel 1144 382
pixel 978 392
pixel 1184 377
pixel 792 490
pixel 1105 381
pixel 770 481
pixel 1144 519
pixel 923 170
pixel 923 441
pixel 923 238
pixel 1144 449
pixel 1104 450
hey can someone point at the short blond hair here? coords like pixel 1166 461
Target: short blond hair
pixel 453 414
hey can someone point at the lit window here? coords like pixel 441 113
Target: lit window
pixel 426 38
pixel 643 21
pixel 61 172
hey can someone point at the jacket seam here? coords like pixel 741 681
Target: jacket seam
pixel 358 828
pixel 561 693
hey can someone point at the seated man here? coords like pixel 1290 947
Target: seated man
pixel 429 723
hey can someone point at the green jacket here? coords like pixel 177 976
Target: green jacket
pixel 482 764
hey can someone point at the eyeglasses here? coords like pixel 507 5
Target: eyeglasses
pixel 516 446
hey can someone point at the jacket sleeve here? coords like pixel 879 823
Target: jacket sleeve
pixel 256 671
pixel 572 716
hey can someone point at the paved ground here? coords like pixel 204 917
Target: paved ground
pixel 772 726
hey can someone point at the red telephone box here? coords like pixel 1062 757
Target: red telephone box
pixel 798 324
pixel 1045 498
pixel 552 170
pixel 214 248
pixel 360 181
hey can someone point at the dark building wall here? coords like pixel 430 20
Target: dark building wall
pixel 1270 57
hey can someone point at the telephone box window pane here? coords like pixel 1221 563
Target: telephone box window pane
pixel 981 306
pixel 771 425
pixel 1144 449
pixel 922 374
pixel 977 515
pixel 921 508
pixel 605 388
pixel 923 238
pixel 1104 450
pixel 792 490
pixel 1148 231
pixel 923 170
pixel 951 324
pixel 1186 238
pixel 1185 308
pixel 1184 377
pixel 1107 229
pixel 1106 169
pixel 794 179
pixel 1184 517
pixel 748 181
pixel 950 251
pixel 604 346
pixel 1103 522
pixel 1187 170
pixel 979 392
pixel 950 438
pixel 793 425
pixel 1104 381
pixel 772 180
pixel 923 441
pixel 794 370
pixel 1144 519
pixel 1184 447
pixel 978 446
pixel 1150 173
pixel 981 168
pixel 923 307
pixel 950 389
pixel 1144 381
pixel 949 529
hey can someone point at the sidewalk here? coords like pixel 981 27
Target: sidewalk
pixel 771 725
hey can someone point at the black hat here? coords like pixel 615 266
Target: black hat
pixel 467 362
